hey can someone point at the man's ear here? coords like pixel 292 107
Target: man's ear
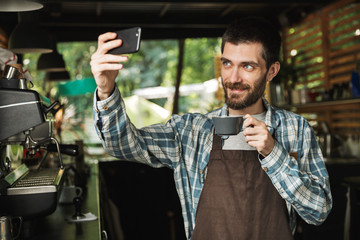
pixel 273 71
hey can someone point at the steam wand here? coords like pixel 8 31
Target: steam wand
pixel 29 142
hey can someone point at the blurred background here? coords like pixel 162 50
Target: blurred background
pixel 177 70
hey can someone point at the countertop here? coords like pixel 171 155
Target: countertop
pixel 55 227
pixel 342 161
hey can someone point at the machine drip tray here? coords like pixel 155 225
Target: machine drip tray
pixel 35 193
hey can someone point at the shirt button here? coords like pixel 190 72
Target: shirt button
pixel 106 108
pixel 266 169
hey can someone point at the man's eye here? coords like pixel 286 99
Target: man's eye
pixel 226 63
pixel 248 67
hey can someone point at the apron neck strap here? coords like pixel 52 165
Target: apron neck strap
pixel 217 142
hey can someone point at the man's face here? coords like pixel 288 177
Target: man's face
pixel 244 74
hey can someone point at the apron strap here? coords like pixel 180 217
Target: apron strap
pixel 217 142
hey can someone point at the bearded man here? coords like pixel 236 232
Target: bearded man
pixel 247 186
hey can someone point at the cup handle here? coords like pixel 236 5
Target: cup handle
pixel 19 228
pixel 78 191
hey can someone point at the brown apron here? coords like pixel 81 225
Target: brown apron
pixel 238 200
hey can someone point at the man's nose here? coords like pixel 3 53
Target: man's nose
pixel 235 75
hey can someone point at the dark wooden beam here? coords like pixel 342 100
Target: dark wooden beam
pixel 178 76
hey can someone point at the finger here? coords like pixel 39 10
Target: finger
pixel 258 135
pixel 100 69
pixel 104 48
pixel 108 58
pixel 259 131
pixel 250 121
pixel 255 142
pixel 249 131
pixel 105 37
pixel 106 42
pixel 107 62
pixel 109 67
pixel 251 142
pixel 254 137
pixel 100 65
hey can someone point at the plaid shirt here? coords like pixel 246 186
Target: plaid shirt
pixel 184 143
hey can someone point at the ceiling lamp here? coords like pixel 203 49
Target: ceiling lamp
pixel 28 37
pixel 20 5
pixel 51 62
pixel 57 76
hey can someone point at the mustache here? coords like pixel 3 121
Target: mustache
pixel 236 86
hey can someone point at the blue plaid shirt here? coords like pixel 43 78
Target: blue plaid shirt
pixel 184 143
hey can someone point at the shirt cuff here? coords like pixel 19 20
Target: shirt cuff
pixel 107 105
pixel 272 163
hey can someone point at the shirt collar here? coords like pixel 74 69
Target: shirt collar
pixel 270 119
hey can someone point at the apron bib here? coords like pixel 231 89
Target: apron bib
pixel 238 200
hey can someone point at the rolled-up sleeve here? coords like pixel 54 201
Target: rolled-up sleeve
pixel 302 181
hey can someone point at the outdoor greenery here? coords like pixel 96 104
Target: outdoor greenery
pixel 154 65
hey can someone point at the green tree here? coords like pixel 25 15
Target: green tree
pixel 155 62
pixel 199 59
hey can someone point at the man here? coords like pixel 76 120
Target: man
pixel 248 186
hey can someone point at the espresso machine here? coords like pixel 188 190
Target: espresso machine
pixel 27 189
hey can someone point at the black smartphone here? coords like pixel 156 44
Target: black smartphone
pixel 131 38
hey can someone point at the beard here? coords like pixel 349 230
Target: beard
pixel 236 102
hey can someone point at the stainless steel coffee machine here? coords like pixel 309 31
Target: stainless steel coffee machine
pixel 26 119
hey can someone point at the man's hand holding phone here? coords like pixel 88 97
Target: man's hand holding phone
pixel 105 66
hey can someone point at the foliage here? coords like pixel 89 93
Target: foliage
pixel 199 60
pixel 155 64
pixel 77 56
pixel 155 61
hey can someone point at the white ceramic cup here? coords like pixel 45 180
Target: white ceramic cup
pixel 68 193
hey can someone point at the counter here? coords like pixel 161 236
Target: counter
pixel 342 161
pixel 55 227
